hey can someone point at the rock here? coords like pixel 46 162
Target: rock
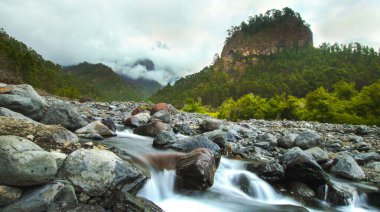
pixel 270 172
pixel 307 140
pixel 287 140
pixel 9 194
pixel 74 207
pixel 96 128
pixel 363 158
pixel 27 163
pixel 109 123
pixel 8 113
pixel 25 100
pixel 67 194
pixel 301 190
pixel 337 194
pixel 160 106
pixel 195 170
pixel 355 139
pixel 362 130
pixel 268 137
pixel 374 165
pixel 363 147
pixel 162 115
pixel 152 128
pixel 220 137
pixel 91 136
pixel 47 137
pixel 196 142
pixel 65 115
pixel 318 154
pixel 137 120
pixel 37 199
pixel 58 157
pixel 139 110
pixel 346 167
pixel 208 125
pixel 164 138
pixel 95 171
pixel 301 166
pixel 89 144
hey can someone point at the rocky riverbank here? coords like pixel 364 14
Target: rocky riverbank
pixel 49 167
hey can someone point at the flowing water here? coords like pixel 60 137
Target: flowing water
pixel 234 189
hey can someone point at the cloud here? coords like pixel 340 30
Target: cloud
pixel 180 37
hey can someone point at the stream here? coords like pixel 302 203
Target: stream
pixel 234 189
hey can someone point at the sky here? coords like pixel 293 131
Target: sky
pixel 179 36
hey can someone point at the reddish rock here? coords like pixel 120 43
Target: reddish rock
pixel 138 110
pixel 152 128
pixel 158 107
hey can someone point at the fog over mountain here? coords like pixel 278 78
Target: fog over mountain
pixel 180 37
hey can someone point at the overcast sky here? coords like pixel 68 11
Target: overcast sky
pixel 178 35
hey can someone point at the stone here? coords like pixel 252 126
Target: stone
pixel 337 194
pixel 27 163
pixel 363 158
pixel 346 167
pixel 164 138
pixel 46 136
pixel 301 166
pixel 137 120
pixel 301 190
pixel 95 171
pixel 8 113
pixel 59 157
pixel 307 140
pixel 67 194
pixel 268 137
pixel 120 201
pixel 221 138
pixel 152 128
pixel 287 140
pixel 374 165
pixel 270 172
pixel 9 194
pixel 37 199
pixel 195 142
pixel 109 123
pixel 162 115
pixel 208 125
pixel 65 115
pixel 97 128
pixel 160 106
pixel 25 100
pixel 196 170
pixel 319 154
pixel 74 207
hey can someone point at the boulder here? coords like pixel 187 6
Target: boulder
pixel 46 136
pixel 95 171
pixel 307 140
pixel 162 115
pixel 27 163
pixel 196 170
pixel 152 128
pixel 336 193
pixel 137 120
pixel 109 123
pixel 363 158
pixel 270 172
pixel 59 157
pixel 23 99
pixel 287 140
pixel 374 165
pixel 301 166
pixel 65 115
pixel 67 194
pixel 301 190
pixel 319 154
pixel 220 137
pixel 37 199
pixel 164 139
pixel 160 106
pixel 269 138
pixel 199 141
pixel 8 113
pixel 346 167
pixel 9 194
pixel 208 125
pixel 95 128
pixel 74 207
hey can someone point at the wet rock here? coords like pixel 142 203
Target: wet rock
pixel 337 194
pixel 152 128
pixel 27 163
pixel 8 113
pixel 95 128
pixel 319 154
pixel 208 125
pixel 65 115
pixel 162 115
pixel 37 199
pixel 301 190
pixel 220 137
pixel 74 207
pixel 95 171
pixel 196 142
pixel 307 140
pixel 346 167
pixel 109 123
pixel 270 172
pixel 137 120
pixel 301 166
pixel 46 136
pixel 363 158
pixel 160 106
pixel 196 170
pixel 9 194
pixel 164 138
pixel 23 99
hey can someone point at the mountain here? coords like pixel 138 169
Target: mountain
pixel 272 54
pixel 147 63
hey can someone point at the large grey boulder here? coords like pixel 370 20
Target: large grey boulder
pixel 8 113
pixel 26 163
pixel 162 115
pixel 270 172
pixel 346 167
pixel 137 120
pixel 37 199
pixel 46 136
pixel 164 139
pixel 308 139
pixel 9 194
pixel 208 125
pixel 152 128
pixel 287 140
pixel 221 138
pixel 95 171
pixel 319 154
pixel 95 128
pixel 23 99
pixel 301 166
pixel 65 115
pixel 195 142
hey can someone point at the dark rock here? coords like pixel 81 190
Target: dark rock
pixel 162 115
pixel 208 125
pixel 362 130
pixel 74 207
pixel 363 158
pixel 196 142
pixel 86 99
pixel 25 100
pixel 346 167
pixel 319 154
pixel 195 170
pixel 152 128
pixel 26 163
pixel 183 128
pixel 65 115
pixel 363 147
pixel 307 140
pixel 287 140
pixel 9 194
pixel 164 138
pixel 301 190
pixel 137 120
pixel 221 138
pixel 337 194
pixel 158 107
pixel 270 172
pixel 109 123
pixel 269 138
